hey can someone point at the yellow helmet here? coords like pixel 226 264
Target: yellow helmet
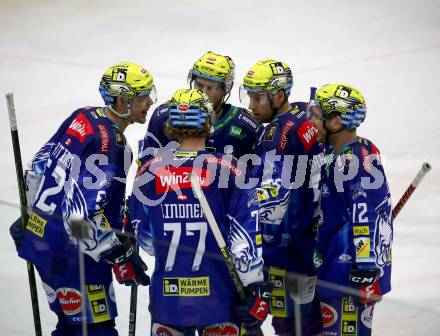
pixel 343 99
pixel 190 108
pixel 128 80
pixel 268 76
pixel 215 67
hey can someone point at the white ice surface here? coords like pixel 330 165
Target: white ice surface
pixel 52 54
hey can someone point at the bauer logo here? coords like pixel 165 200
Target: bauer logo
pixel 250 73
pixel 80 127
pixel 70 300
pixel 186 286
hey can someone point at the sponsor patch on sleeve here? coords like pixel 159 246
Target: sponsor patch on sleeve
pixel 80 127
pixel 307 134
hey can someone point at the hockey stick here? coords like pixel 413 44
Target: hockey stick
pixel 311 100
pixel 426 167
pixel 219 239
pixel 133 304
pixel 23 207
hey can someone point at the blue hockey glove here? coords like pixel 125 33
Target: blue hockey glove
pixel 365 278
pixel 255 310
pixel 128 266
pixel 17 233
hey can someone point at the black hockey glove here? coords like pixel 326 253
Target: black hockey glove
pixel 365 278
pixel 128 267
pixel 17 233
pixel 254 311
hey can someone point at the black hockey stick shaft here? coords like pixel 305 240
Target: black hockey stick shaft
pixel 133 305
pixel 426 167
pixel 220 240
pixel 23 207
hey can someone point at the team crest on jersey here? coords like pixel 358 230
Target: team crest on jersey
pixel 270 132
pixel 383 233
pixel 120 138
pixel 80 127
pixel 241 248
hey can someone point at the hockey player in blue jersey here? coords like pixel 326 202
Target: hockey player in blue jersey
pixel 234 130
pixel 191 288
pixel 355 234
pixel 286 212
pixel 79 175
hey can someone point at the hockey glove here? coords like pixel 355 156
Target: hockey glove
pixel 128 267
pixel 17 233
pixel 254 311
pixel 365 278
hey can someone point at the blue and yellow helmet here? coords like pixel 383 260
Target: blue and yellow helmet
pixel 268 76
pixel 190 108
pixel 343 99
pixel 128 80
pixel 215 67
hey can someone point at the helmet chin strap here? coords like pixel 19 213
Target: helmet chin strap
pixel 124 116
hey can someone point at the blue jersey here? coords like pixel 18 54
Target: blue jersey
pixel 235 133
pixel 77 175
pixel 356 210
pixel 287 210
pixel 191 285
